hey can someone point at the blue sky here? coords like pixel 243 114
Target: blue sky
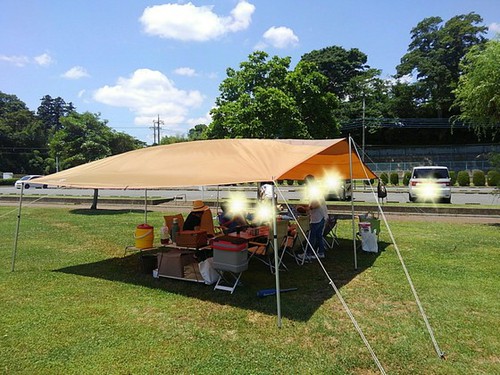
pixel 133 60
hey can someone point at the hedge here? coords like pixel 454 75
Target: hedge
pixel 463 178
pixel 493 178
pixel 478 178
pixel 394 178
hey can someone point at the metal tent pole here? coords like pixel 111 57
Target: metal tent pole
pixel 145 206
pixel 352 207
pixel 276 257
pixel 16 236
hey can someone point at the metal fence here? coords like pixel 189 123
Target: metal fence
pixel 455 157
pixel 398 167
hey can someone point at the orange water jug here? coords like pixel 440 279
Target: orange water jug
pixel 144 236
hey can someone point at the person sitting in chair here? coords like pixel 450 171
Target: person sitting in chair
pixel 230 222
pixel 193 220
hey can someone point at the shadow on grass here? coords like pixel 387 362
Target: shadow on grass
pixel 312 283
pixel 101 212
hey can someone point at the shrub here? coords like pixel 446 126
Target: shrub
pixel 301 182
pixel 453 178
pixel 8 181
pixel 463 178
pixel 406 178
pixel 384 178
pixel 478 178
pixel 289 182
pixel 493 178
pixel 394 178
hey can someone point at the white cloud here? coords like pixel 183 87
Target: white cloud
pixel 207 119
pixel 494 27
pixel 407 78
pixel 44 59
pixel 76 72
pixel 185 71
pixel 15 60
pixel 188 22
pixel 149 93
pixel 279 37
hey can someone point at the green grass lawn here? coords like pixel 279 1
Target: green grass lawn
pixel 77 304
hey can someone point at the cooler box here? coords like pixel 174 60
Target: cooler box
pixel 191 238
pixel 230 254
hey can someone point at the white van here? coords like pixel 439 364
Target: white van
pixel 430 183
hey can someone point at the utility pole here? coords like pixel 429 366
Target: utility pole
pixel 156 130
pixel 363 144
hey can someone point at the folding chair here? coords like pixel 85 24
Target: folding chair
pixel 301 236
pixel 264 252
pixel 330 232
pixel 169 220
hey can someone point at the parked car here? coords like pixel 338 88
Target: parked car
pixel 28 182
pixel 342 193
pixel 430 183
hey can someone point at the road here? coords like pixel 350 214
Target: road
pixel 472 196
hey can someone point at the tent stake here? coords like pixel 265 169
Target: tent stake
pixel 352 206
pixel 16 236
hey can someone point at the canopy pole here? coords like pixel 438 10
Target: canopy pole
pixel 145 206
pixel 352 206
pixel 276 257
pixel 16 236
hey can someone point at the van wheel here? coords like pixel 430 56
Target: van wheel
pixel 26 186
pixel 410 198
pixel 447 200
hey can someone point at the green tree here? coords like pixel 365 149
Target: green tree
pixel 198 132
pixel 265 100
pixel 173 139
pixel 351 79
pixel 434 54
pixel 85 137
pixel 478 91
pixel 20 135
pixel 50 112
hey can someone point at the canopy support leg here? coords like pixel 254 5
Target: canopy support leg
pixel 16 236
pixel 145 206
pixel 276 257
pixel 352 207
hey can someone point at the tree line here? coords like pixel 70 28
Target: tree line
pixel 449 76
pixel 56 137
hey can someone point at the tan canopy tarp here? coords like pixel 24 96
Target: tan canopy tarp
pixel 215 162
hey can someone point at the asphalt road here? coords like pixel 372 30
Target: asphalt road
pixel 472 196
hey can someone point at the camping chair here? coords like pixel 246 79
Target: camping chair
pixel 265 251
pixel 207 223
pixel 330 232
pixel 302 234
pixel 169 221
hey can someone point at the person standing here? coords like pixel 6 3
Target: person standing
pixel 318 213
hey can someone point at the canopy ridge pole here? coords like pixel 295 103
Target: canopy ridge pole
pixel 276 256
pixel 438 350
pixel 145 206
pixel 337 292
pixel 352 207
pixel 16 235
